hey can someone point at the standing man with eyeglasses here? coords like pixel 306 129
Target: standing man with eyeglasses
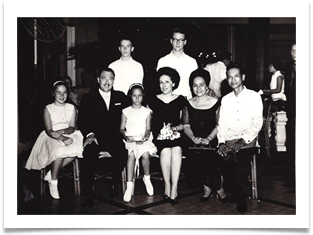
pixel 183 63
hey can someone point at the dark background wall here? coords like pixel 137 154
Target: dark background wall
pixel 251 40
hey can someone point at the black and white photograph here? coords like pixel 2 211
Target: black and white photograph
pixel 192 117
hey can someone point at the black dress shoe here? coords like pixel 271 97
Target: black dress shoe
pixel 224 199
pixel 166 198
pixel 204 199
pixel 88 203
pixel 242 207
pixel 113 191
pixel 174 201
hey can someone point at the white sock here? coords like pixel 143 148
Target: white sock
pixel 146 177
pixel 129 184
pixel 54 182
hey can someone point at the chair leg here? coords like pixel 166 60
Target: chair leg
pixel 266 130
pixel 124 180
pixel 76 176
pixel 42 182
pixel 267 142
pixel 254 178
pixel 134 181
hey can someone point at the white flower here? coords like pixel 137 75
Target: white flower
pixel 166 133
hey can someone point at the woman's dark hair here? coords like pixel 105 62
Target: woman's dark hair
pixel 276 62
pixel 172 73
pixel 199 73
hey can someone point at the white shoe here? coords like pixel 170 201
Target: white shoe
pixel 48 176
pixel 53 188
pixel 128 193
pixel 148 184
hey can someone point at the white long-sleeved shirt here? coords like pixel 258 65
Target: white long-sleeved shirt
pixel 240 116
pixel 184 65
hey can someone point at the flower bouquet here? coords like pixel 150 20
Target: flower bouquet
pixel 166 133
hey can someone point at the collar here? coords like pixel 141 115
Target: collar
pixel 276 72
pixel 130 58
pixel 182 55
pixel 244 90
pixel 105 94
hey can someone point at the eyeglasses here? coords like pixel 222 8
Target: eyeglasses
pixel 178 40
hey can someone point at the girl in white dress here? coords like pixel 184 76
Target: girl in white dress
pixel 135 128
pixel 60 142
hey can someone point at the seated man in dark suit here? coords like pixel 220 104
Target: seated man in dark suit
pixel 99 121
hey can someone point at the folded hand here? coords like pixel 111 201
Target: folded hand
pixel 89 140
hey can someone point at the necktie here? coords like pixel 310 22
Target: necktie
pixel 107 101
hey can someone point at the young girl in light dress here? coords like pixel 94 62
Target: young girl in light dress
pixel 60 142
pixel 135 128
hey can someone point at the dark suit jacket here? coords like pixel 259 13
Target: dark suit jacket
pixel 290 88
pixel 93 116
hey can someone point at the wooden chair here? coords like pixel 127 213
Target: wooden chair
pixel 254 185
pixel 264 135
pixel 74 175
pixel 154 175
pixel 105 154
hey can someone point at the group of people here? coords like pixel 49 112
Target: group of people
pixel 117 117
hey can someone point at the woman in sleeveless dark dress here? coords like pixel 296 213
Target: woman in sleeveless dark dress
pixel 200 125
pixel 166 126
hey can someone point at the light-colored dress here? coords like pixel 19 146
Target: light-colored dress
pixel 46 149
pixel 273 85
pixel 136 127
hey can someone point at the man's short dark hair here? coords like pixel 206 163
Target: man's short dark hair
pixel 179 30
pixel 235 66
pixel 106 69
pixel 125 38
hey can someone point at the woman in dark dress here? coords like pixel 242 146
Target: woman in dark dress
pixel 200 125
pixel 166 124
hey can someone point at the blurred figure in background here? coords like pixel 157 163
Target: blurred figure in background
pixel 217 71
pixel 72 98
